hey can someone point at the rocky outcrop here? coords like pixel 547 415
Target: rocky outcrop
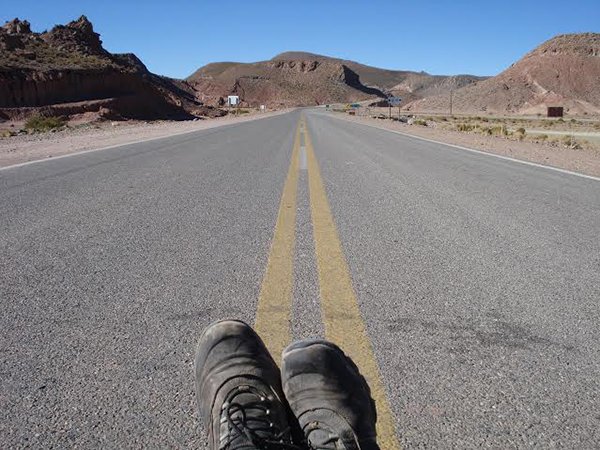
pixel 77 36
pixel 68 66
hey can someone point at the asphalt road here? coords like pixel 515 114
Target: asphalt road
pixel 478 280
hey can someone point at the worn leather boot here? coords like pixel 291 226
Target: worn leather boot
pixel 238 387
pixel 329 397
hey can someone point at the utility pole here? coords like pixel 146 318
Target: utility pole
pixel 451 94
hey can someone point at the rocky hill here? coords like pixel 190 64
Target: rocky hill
pixel 564 71
pixel 66 71
pixel 301 78
pixel 282 83
pixel 408 85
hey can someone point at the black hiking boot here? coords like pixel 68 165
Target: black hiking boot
pixel 238 387
pixel 329 397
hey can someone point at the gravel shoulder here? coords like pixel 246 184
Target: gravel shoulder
pixel 586 161
pixel 25 148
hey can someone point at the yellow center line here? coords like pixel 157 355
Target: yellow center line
pixel 274 308
pixel 341 313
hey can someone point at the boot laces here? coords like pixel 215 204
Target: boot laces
pixel 249 422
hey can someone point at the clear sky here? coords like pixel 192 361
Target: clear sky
pixel 175 37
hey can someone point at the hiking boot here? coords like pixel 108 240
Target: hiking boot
pixel 238 387
pixel 329 397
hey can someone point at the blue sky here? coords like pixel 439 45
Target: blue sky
pixel 174 37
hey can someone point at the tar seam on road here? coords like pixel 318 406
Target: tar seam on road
pixel 341 313
pixel 472 150
pixel 273 313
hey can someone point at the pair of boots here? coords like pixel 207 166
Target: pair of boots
pixel 319 400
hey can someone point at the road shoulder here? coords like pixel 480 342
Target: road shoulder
pixel 586 162
pixel 18 150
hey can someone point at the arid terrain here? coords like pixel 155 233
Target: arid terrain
pixel 563 71
pixel 304 79
pixel 66 72
pixel 63 80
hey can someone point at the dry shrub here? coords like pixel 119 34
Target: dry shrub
pixel 40 123
pixel 465 127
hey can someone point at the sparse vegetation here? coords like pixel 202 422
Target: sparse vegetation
pixel 6 133
pixel 521 133
pixel 515 128
pixel 466 127
pixel 497 130
pixel 570 142
pixel 39 124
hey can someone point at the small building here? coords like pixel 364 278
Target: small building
pixel 555 111
pixel 233 100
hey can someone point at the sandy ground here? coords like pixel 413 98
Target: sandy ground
pixel 24 148
pixel 585 161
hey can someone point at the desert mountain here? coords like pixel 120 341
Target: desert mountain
pixel 564 71
pixel 275 83
pixel 300 78
pixel 66 71
pixel 406 84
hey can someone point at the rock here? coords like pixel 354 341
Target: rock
pixel 66 71
pixel 17 26
pixel 77 35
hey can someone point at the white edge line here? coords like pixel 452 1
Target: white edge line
pixel 507 158
pixel 91 150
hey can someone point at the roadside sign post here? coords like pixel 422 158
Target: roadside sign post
pixel 394 101
pixel 233 100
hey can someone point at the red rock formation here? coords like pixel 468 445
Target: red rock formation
pixel 68 65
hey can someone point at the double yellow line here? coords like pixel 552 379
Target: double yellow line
pixel 340 311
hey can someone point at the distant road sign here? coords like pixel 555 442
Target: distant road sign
pixel 394 101
pixel 233 100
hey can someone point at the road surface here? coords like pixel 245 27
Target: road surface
pixel 466 286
